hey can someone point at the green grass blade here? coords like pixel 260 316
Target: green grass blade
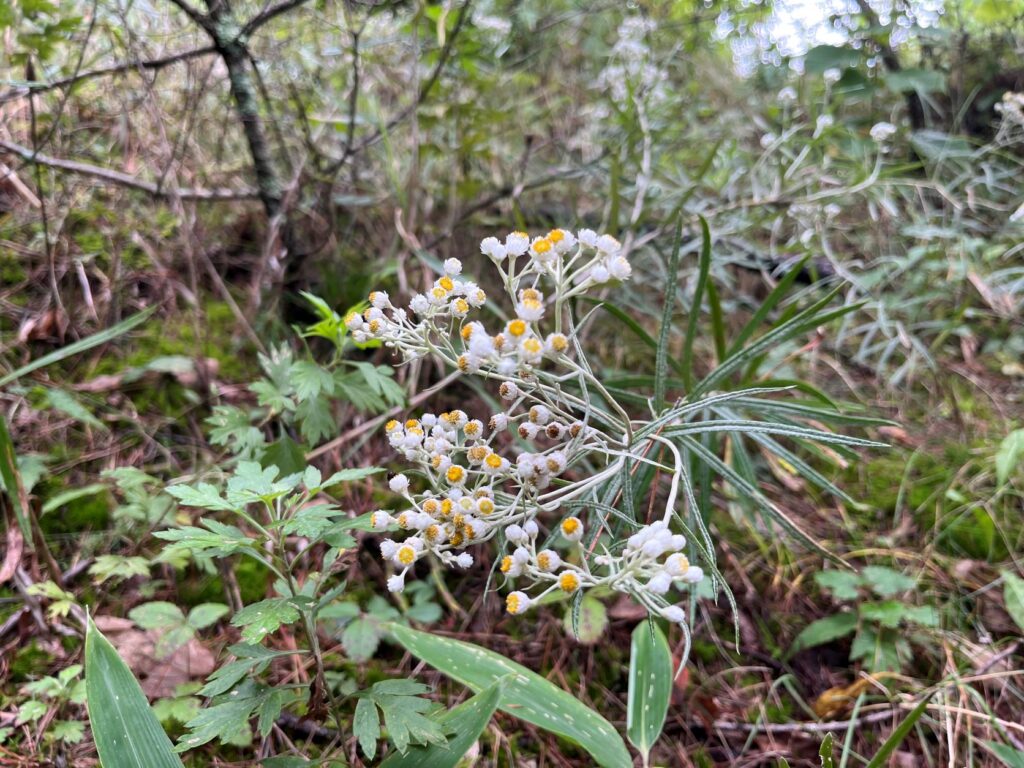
pixel 753 494
pixel 12 481
pixel 661 358
pixel 650 686
pixel 465 722
pixel 698 297
pixel 527 695
pixel 770 302
pixel 126 732
pixel 81 345
pixel 882 756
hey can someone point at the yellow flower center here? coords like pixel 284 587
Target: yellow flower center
pixel 570 525
pixel 533 346
pixel 517 327
pixel 506 564
pixel 544 561
pixel 467 331
pixel 512 603
pixel 461 305
pixel 432 532
pixel 455 474
pixel 431 506
pixel 542 245
pixel 446 507
pixel 559 343
pixel 530 294
pixel 446 283
pixel 406 555
pixel 568 582
pixel 391 426
pixel 485 506
pixel 438 292
pixel 493 461
pixel 556 235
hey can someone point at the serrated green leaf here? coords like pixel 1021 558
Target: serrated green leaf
pixel 527 695
pixel 650 686
pixel 68 731
pixel 842 584
pixel 202 496
pixel 309 380
pixel 888 613
pixel 157 615
pixel 466 722
pixel 886 582
pixel 361 638
pixel 260 619
pixel 825 631
pixel 351 474
pixel 126 731
pixel 206 614
pixel 366 726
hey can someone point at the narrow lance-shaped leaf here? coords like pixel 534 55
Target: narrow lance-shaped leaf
pixel 650 686
pixel 125 729
pixel 527 695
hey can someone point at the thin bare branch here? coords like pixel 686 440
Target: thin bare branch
pixel 201 19
pixel 268 15
pixel 116 69
pixel 123 179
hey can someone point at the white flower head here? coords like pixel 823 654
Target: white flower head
pixel 380 520
pixel 452 267
pixel 660 583
pixel 608 244
pixel 517 602
pixel 693 575
pixel 882 132
pixel 399 483
pixel 588 237
pixel 675 614
pixel 492 248
pixel 464 560
pixel 396 583
pixel 517 243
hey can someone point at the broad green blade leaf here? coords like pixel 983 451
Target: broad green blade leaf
pixel 1013 597
pixel 881 757
pixel 126 732
pixel 80 346
pixel 527 695
pixel 650 686
pixel 1012 758
pixel 698 298
pixel 1009 455
pixel 12 482
pixel 825 751
pixel 661 357
pixel 465 722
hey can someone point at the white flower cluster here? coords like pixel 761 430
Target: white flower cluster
pixel 468 487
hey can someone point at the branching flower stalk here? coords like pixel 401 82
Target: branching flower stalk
pixel 471 492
